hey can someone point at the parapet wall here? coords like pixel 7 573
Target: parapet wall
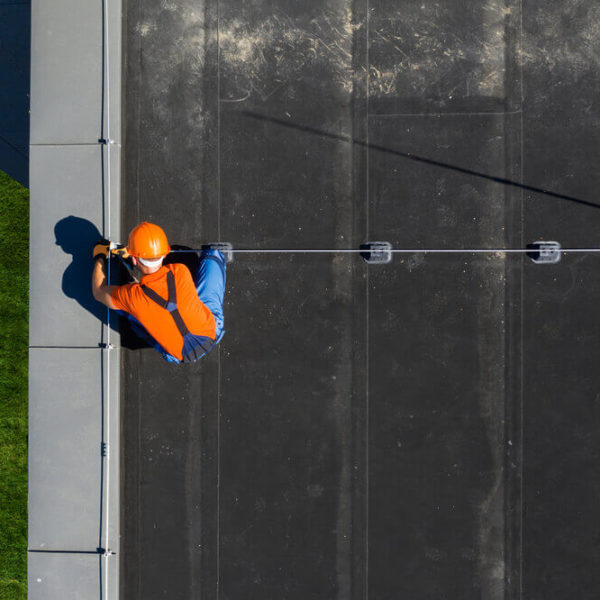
pixel 75 145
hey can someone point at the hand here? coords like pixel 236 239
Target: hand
pixel 101 249
pixel 121 250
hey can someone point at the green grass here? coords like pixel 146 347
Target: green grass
pixel 14 291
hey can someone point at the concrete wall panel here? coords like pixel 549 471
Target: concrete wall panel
pixel 67 217
pixel 64 576
pixel 66 73
pixel 65 436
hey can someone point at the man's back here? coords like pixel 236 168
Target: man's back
pixel 158 322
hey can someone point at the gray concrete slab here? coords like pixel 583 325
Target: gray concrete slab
pixel 65 461
pixel 66 74
pixel 74 385
pixel 67 217
pixel 113 73
pixel 68 576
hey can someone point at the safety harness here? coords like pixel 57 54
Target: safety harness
pixel 194 346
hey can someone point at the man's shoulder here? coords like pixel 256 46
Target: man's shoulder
pixel 180 271
pixel 126 290
pixel 127 287
pixel 123 295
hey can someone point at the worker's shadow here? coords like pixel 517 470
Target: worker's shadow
pixel 184 255
pixel 76 237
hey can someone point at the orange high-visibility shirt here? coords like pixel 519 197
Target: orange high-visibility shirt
pixel 158 322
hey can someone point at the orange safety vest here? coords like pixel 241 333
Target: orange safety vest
pixel 166 303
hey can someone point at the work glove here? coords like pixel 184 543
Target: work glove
pixel 120 250
pixel 101 249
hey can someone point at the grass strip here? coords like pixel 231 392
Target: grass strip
pixel 14 331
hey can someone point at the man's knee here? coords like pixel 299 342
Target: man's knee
pixel 215 255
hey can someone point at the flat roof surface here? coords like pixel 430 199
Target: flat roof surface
pixel 423 429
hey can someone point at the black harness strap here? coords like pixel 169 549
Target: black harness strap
pixel 154 296
pixel 170 304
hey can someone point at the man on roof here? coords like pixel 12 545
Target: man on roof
pixel 181 317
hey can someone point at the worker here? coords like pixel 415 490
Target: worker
pixel 179 316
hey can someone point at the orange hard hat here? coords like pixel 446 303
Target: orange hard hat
pixel 147 240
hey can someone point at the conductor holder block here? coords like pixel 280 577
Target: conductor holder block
pixel 544 253
pixel 376 253
pixel 225 248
